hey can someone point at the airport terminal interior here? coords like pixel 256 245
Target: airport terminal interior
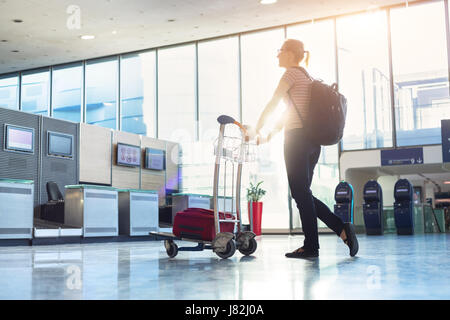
pixel 125 171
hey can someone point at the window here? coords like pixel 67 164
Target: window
pixel 420 69
pixel 35 92
pixel 218 72
pixel 260 77
pixel 101 92
pixel 364 79
pixel 138 95
pixel 177 94
pixel 318 38
pixel 66 92
pixel 9 91
pixel 218 80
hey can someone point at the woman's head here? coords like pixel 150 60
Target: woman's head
pixel 292 52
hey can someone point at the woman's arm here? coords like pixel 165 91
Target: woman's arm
pixel 279 93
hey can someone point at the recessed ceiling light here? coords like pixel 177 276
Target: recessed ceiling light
pixel 17 20
pixel 170 20
pixel 87 37
pixel 15 51
pixel 114 32
pixel 268 1
pixel 4 40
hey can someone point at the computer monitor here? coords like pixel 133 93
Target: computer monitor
pixel 60 144
pixel 20 139
pixel 154 159
pixel 128 155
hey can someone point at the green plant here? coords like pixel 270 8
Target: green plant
pixel 255 193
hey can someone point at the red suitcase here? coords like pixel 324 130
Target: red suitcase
pixel 198 224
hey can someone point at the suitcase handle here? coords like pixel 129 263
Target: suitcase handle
pixel 224 119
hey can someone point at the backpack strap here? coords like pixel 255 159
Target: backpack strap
pixel 295 107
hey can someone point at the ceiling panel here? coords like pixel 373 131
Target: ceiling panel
pixel 43 38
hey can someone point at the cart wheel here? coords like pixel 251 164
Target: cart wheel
pixel 231 249
pixel 252 244
pixel 171 248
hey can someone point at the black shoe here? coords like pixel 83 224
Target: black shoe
pixel 351 240
pixel 302 254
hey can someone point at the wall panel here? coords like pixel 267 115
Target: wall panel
pixel 18 165
pixel 95 154
pixel 152 179
pixel 63 171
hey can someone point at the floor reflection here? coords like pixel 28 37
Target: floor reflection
pixel 387 267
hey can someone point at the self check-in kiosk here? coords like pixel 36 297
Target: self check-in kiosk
pixel 373 208
pixel 403 207
pixel 343 196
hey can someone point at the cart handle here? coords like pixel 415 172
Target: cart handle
pixel 223 119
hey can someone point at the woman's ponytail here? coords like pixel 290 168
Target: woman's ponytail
pixel 307 58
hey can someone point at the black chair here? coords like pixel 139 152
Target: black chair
pixel 53 210
pixel 53 192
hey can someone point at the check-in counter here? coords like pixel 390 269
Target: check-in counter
pixel 182 201
pixel 93 208
pixel 138 212
pixel 16 209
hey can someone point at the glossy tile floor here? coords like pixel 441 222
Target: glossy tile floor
pixel 386 267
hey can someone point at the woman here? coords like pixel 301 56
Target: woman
pixel 300 153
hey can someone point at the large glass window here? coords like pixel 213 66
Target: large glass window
pixel 420 68
pixel 138 93
pixel 9 91
pixel 363 58
pixel 101 92
pixel 318 39
pixel 35 92
pixel 66 92
pixel 260 77
pixel 177 94
pixel 218 80
pixel 218 73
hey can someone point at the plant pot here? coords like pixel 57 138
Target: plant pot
pixel 257 216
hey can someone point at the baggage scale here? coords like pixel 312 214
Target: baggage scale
pixel 234 149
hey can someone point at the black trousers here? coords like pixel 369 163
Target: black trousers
pixel 300 156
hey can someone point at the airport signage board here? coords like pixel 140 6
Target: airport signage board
pixel 405 156
pixel 445 133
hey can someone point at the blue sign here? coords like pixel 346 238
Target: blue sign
pixel 406 156
pixel 445 133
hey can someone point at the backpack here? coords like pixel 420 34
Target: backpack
pixel 327 112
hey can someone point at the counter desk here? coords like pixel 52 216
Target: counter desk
pixel 93 208
pixel 16 209
pixel 138 212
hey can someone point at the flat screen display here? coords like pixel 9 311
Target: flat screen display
pixel 128 155
pixel 60 144
pixel 154 159
pixel 19 138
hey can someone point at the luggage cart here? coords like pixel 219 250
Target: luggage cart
pixel 234 151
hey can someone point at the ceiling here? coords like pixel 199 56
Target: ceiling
pixel 44 37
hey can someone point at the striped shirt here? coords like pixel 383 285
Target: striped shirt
pixel 298 97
